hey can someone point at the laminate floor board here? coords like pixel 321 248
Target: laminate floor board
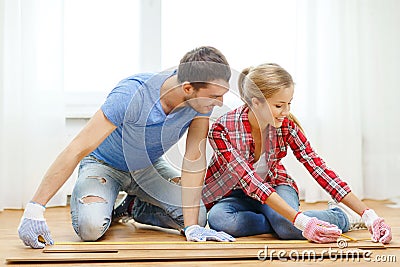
pixel 59 222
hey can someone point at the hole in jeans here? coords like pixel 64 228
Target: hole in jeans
pixel 92 199
pixel 101 179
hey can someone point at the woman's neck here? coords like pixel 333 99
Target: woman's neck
pixel 255 123
pixel 257 135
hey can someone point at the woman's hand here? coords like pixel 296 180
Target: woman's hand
pixel 381 232
pixel 316 230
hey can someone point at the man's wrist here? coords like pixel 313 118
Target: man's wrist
pixel 188 228
pixel 34 211
pixel 37 203
pixel 184 229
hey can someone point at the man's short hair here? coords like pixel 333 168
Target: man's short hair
pixel 202 65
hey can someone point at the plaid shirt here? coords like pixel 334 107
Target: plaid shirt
pixel 231 165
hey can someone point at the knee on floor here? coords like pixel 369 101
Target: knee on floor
pixel 89 224
pixel 284 229
pixel 221 221
pixel 90 229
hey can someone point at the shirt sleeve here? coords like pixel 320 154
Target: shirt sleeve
pixel 237 167
pixel 118 107
pixel 204 114
pixel 315 165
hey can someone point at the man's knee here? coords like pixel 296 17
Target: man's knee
pixel 90 226
pixel 202 216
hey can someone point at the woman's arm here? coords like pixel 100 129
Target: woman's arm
pixel 381 232
pixel 312 228
pixel 314 164
pixel 336 187
pixel 354 203
pixel 279 205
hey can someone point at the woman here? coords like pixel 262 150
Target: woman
pixel 247 189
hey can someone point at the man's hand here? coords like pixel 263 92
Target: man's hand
pixel 381 232
pixel 316 230
pixel 201 234
pixel 33 230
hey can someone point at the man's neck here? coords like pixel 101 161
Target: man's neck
pixel 171 95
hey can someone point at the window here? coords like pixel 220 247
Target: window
pixel 101 48
pixel 106 41
pixel 250 32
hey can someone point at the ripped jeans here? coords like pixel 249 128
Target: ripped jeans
pixel 158 202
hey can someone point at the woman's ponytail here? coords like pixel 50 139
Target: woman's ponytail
pixel 241 82
pixel 296 121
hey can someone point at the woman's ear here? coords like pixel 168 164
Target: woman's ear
pixel 255 102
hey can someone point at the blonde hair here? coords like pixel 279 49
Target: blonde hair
pixel 262 82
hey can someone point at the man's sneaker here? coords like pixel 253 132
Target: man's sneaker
pixel 124 210
pixel 175 180
pixel 355 220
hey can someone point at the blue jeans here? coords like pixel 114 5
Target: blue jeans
pixel 241 215
pixel 158 202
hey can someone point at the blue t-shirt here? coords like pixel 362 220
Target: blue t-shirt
pixel 144 132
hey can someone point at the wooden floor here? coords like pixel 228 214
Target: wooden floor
pixel 60 224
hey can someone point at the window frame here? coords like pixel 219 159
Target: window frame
pixel 83 104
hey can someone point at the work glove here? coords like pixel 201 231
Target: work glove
pixel 201 234
pixel 381 232
pixel 33 230
pixel 316 230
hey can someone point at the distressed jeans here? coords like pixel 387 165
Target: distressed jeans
pixel 241 215
pixel 158 202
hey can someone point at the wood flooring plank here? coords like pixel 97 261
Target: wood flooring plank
pixel 207 246
pixel 192 254
pixel 59 222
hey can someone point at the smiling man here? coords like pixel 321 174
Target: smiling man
pixel 122 148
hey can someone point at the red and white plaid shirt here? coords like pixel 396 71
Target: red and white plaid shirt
pixel 231 165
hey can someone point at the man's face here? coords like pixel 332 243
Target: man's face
pixel 205 99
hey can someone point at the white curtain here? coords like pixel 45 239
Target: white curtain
pixel 347 84
pixel 379 86
pixel 343 55
pixel 31 104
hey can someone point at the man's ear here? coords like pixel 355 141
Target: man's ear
pixel 187 88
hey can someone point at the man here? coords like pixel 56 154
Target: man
pixel 121 148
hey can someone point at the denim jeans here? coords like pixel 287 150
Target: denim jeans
pixel 158 202
pixel 241 215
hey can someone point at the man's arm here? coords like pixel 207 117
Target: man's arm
pixel 192 180
pixel 193 169
pixel 91 136
pixel 33 225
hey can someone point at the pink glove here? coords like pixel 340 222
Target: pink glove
pixel 316 230
pixel 377 227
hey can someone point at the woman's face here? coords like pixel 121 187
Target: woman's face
pixel 279 104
